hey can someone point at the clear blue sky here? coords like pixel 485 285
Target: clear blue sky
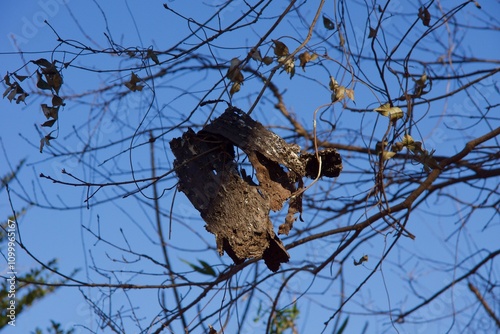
pixel 63 233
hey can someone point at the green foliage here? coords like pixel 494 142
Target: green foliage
pixel 343 326
pixel 31 286
pixel 205 268
pixel 55 328
pixel 285 319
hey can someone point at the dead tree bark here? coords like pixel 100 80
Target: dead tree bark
pixel 236 209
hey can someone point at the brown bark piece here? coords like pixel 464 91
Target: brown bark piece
pixel 235 209
pixel 239 218
pixel 273 180
pixel 252 136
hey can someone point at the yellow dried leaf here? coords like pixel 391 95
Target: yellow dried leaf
pixel 407 140
pixel 383 109
pixel 333 84
pixel 234 72
pixel 397 147
pixel 235 88
pixel 386 155
pixel 338 93
pixel 350 93
pixel 421 81
pixel 288 65
pixel 395 113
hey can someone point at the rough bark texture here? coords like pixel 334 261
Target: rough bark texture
pixel 236 209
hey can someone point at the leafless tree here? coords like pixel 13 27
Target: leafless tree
pixel 400 241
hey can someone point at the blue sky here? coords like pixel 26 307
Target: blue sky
pixel 129 222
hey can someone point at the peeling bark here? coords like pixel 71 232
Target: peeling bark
pixel 235 209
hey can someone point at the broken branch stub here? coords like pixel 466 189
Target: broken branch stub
pixel 235 209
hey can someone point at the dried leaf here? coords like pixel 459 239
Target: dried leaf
pixel 21 78
pixel 372 33
pixel 6 78
pixel 350 93
pixel 21 97
pixel 134 78
pixel 304 59
pixel 46 141
pixel 386 155
pixel 152 55
pixel 267 60
pixel 328 23
pixel 42 144
pixel 341 93
pixel 291 69
pixel 280 49
pixel 235 88
pixel 364 258
pixel 338 94
pixel 50 112
pixel 55 81
pixel 333 84
pixel 288 65
pixel 42 84
pixel 397 147
pixel 422 80
pixel 393 113
pixel 255 55
pixel 383 109
pixel 49 123
pixel 42 62
pixel 425 16
pixel 132 84
pixel 234 73
pixel 407 140
pixel 57 101
pixel 12 93
pixel 7 91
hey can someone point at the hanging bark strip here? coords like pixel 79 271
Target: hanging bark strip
pixel 235 209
